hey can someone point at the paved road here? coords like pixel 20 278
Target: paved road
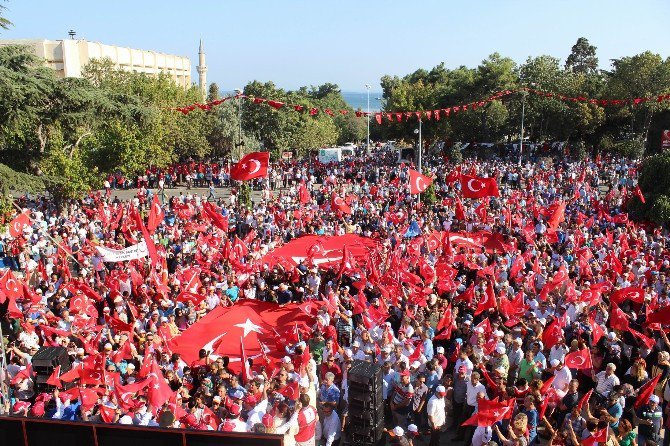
pixel 222 192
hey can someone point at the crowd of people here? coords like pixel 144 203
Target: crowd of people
pixel 470 306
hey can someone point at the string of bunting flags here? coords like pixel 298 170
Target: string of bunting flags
pixel 437 114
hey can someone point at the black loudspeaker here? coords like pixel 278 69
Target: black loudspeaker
pixel 365 420
pixel 45 361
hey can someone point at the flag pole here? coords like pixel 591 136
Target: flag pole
pixel 5 377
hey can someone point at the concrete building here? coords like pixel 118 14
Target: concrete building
pixel 68 58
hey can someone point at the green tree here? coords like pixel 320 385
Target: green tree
pixel 4 22
pixel 223 132
pixel 245 195
pixel 654 183
pixel 67 163
pixel 639 76
pixel 213 92
pixel 583 57
pixel 279 130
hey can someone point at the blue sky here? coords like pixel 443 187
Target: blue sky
pixel 348 42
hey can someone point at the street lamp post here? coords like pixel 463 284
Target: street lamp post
pixel 239 120
pixel 419 153
pixel 523 113
pixel 367 87
pixel 418 158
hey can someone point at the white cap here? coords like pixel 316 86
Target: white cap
pixel 216 398
pixel 412 428
pixel 125 420
pixel 440 389
pixel 397 431
pixel 500 350
pixel 356 344
pixel 131 366
pixel 286 359
pixel 611 336
pixel 554 362
pixel 238 394
pixel 654 399
pixel 415 365
pixel 499 333
pixel 439 349
pixel 304 382
pixel 348 352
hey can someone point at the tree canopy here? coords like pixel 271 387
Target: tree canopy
pixel 546 118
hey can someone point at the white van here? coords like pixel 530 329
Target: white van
pixel 335 154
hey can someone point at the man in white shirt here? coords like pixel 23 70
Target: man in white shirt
pixel 331 427
pixel 558 351
pixel 473 388
pixel 606 380
pixel 562 377
pixel 463 360
pixel 436 415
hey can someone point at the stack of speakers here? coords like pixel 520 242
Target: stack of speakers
pixel 365 420
pixel 45 361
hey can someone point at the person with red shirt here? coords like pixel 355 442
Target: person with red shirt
pixel 331 366
pixel 306 418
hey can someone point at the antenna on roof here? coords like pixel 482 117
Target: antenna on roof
pixel 71 33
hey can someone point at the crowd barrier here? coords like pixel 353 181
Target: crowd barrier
pixel 20 431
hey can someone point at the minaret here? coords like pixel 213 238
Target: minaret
pixel 202 71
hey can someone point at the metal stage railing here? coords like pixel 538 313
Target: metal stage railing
pixel 26 431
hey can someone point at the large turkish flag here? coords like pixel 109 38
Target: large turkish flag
pixel 257 323
pixel 253 165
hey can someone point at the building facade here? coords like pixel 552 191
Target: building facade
pixel 69 57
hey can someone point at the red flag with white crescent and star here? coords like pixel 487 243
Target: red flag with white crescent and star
pixel 338 204
pixel 16 226
pixel 418 182
pixel 646 391
pixel 151 247
pixel 159 391
pixel 10 285
pixel 579 360
pixel 479 187
pixel 156 215
pixel 639 195
pixel 253 165
pixel 487 301
pixel 250 319
pixel 632 293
